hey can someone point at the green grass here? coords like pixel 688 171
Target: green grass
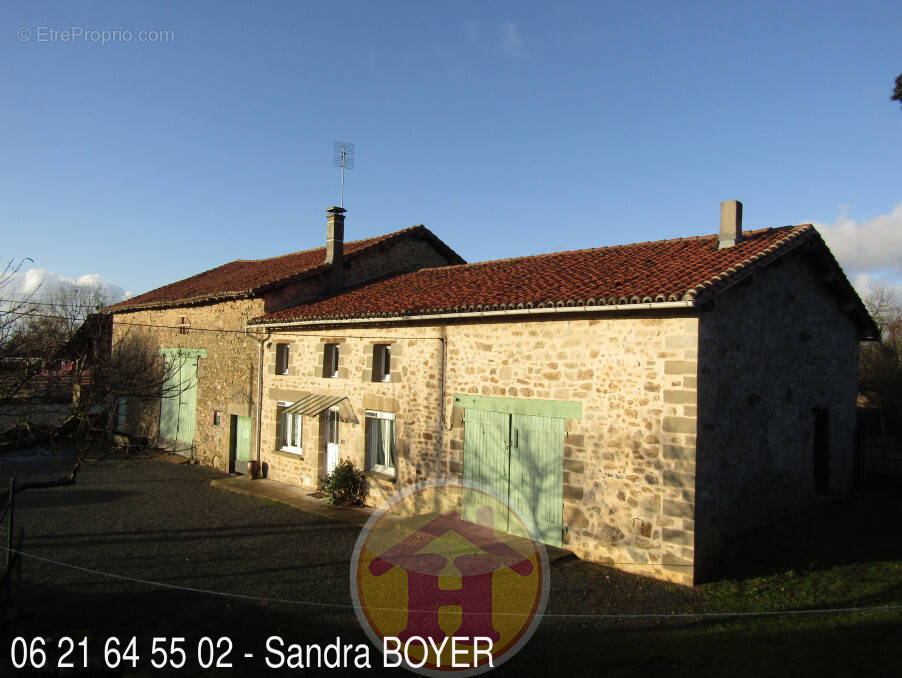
pixel 845 554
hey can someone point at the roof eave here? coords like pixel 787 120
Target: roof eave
pixel 507 313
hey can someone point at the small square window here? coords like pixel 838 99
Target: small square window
pixel 380 441
pixel 281 358
pixel 291 429
pixel 330 360
pixel 382 362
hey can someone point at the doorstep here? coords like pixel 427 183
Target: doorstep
pixel 298 497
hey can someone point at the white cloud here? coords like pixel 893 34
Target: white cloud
pixel 512 42
pixel 41 283
pixel 868 250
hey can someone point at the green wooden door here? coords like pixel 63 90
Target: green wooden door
pixel 521 458
pixel 537 473
pixel 170 403
pixel 243 440
pixel 187 400
pixel 178 405
pixel 240 451
pixel 487 461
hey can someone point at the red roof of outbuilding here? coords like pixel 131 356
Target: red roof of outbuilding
pixel 683 269
pixel 247 278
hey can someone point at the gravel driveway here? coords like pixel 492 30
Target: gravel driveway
pixel 147 519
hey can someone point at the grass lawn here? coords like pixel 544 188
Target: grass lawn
pixel 845 554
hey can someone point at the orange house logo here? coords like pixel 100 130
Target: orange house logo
pixel 448 579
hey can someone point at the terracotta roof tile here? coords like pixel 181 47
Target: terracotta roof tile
pixel 246 278
pixel 683 269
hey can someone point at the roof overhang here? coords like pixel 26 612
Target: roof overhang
pixel 507 313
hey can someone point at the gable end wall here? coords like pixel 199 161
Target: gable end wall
pixel 770 352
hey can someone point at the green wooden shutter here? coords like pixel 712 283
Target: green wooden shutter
pixel 537 473
pixel 486 463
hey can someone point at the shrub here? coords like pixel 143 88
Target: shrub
pixel 345 485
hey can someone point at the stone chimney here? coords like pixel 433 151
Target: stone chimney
pixel 335 248
pixel 730 223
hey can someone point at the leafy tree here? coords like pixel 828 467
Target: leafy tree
pixel 897 92
pixel 58 352
pixel 880 367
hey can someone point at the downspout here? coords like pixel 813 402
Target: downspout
pixel 258 414
pixel 260 400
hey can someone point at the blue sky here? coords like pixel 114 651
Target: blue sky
pixel 508 128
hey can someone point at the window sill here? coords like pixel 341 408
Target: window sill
pixel 288 453
pixel 381 475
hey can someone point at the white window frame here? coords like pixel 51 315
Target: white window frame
pixel 283 353
pixel 368 451
pixel 330 361
pixel 381 362
pixel 291 429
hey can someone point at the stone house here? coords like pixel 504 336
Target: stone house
pixel 213 380
pixel 643 403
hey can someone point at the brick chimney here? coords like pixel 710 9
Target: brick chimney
pixel 335 248
pixel 730 223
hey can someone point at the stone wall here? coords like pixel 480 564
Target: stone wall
pixel 401 256
pixel 772 350
pixel 411 394
pixel 227 377
pixel 628 462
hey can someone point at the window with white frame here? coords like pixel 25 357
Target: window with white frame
pixel 382 362
pixel 380 441
pixel 330 360
pixel 291 428
pixel 281 358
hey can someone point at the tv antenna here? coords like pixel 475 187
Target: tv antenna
pixel 342 156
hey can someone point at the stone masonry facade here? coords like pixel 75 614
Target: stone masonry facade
pixel 228 376
pixel 226 379
pixel 629 462
pixel 774 350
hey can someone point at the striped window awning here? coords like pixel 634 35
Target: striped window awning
pixel 316 403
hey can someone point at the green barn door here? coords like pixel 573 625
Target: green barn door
pixel 178 405
pixel 187 400
pixel 487 463
pixel 537 473
pixel 169 405
pixel 516 449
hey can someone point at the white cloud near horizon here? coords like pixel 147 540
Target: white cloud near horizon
pixel 870 251
pixel 39 283
pixel 512 43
